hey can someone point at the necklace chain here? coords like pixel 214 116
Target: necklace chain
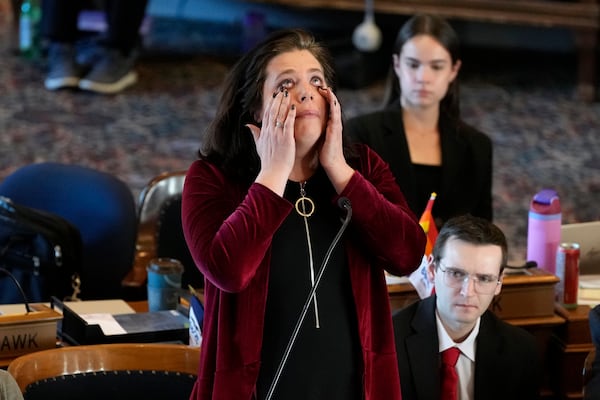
pixel 300 205
pixel 304 203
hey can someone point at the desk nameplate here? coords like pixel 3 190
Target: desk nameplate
pixel 28 332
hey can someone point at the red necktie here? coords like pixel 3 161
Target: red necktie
pixel 449 375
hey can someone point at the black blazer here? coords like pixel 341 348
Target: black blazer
pixel 466 162
pixel 507 366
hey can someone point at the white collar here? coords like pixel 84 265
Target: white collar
pixel 467 346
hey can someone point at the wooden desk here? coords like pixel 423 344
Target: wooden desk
pixel 543 329
pixel 139 306
pixel 567 351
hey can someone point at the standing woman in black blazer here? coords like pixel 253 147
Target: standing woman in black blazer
pixel 420 133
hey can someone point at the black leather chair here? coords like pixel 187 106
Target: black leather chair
pixel 170 242
pixel 99 204
pixel 160 232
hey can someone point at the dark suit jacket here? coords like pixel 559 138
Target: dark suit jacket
pixel 507 362
pixel 466 162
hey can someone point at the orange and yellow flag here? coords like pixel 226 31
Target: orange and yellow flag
pixel 428 225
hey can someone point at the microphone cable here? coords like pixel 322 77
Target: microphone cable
pixel 19 287
pixel 343 203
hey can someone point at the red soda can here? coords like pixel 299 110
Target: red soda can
pixel 567 269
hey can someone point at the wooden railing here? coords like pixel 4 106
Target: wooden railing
pixel 582 17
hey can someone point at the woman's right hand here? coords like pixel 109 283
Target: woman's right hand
pixel 275 142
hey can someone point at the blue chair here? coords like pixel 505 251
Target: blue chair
pixel 99 204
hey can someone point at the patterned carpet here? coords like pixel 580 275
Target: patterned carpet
pixel 543 136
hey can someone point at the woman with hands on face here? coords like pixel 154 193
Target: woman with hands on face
pixel 259 213
pixel 292 145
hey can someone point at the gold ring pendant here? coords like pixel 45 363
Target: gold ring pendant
pixel 302 202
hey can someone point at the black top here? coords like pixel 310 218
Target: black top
pixel 465 173
pixel 428 180
pixel 325 362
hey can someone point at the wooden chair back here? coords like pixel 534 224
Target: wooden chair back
pixel 45 364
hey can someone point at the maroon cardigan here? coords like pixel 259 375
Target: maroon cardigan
pixel 229 231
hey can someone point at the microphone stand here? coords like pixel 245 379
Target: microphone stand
pixel 343 203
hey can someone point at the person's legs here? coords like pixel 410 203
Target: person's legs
pixel 124 19
pixel 114 72
pixel 59 28
pixel 59 20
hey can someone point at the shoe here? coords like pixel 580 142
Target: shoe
pixel 112 74
pixel 89 51
pixel 63 72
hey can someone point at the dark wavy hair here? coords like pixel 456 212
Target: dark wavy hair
pixel 441 31
pixel 227 142
pixel 473 230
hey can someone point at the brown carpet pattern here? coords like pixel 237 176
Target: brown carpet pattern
pixel 543 136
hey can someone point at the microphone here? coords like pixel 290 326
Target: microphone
pixel 344 204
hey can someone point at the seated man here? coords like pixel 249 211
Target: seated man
pixel 496 360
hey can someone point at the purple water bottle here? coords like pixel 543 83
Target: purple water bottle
pixel 543 231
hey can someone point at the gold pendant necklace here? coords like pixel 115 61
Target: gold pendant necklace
pixel 301 208
pixel 303 201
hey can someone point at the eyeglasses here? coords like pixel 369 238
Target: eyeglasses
pixel 482 283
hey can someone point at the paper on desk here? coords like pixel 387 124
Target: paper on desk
pixel 110 306
pixel 591 281
pixel 107 323
pixel 392 279
pixel 11 309
pixel 587 302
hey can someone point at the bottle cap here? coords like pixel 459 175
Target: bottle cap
pixel 545 203
pixel 545 196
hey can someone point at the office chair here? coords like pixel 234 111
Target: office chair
pixel 108 371
pixel 159 229
pixel 99 204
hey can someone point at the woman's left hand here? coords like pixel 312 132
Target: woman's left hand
pixel 331 154
pixel 331 151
